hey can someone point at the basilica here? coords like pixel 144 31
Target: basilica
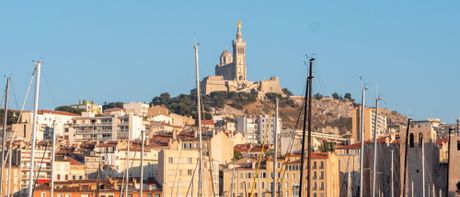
pixel 230 73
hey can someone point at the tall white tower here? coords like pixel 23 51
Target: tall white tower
pixel 239 54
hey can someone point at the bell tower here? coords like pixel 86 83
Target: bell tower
pixel 239 55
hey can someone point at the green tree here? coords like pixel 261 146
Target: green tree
pixel 163 99
pixel 287 92
pixel 237 155
pixel 348 96
pixel 12 117
pixel 112 105
pixel 335 95
pixel 69 109
pixel 318 96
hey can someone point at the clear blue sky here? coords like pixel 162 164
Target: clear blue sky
pixel 134 50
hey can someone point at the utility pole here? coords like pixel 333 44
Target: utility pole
pixel 374 172
pixel 200 136
pixel 53 155
pixel 361 131
pixel 5 125
pixel 34 128
pixel 275 150
pixel 142 164
pixel 307 113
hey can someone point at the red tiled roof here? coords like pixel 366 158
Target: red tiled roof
pixel 73 161
pixel 43 111
pixel 207 122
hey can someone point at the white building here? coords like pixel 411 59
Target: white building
pixel 259 129
pixel 46 121
pixel 107 127
pixel 162 118
pixel 138 108
pixel 249 127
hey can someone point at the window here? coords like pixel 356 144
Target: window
pixel 321 176
pixel 314 175
pixel 190 160
pixel 321 186
pixel 170 160
pixel 43 194
pixel 321 165
pixel 66 177
pixel 189 172
pixel 411 140
pixel 458 144
pixel 58 177
pixel 295 190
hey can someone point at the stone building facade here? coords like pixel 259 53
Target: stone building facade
pixel 231 72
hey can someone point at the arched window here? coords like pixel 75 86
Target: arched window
pixel 411 140
pixel 420 140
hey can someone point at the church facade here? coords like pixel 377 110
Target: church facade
pixel 231 72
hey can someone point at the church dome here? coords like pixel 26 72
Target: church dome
pixel 225 53
pixel 226 58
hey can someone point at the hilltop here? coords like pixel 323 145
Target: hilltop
pixel 331 114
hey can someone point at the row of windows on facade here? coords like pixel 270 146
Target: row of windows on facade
pixel 188 160
pixel 66 177
pixel 43 194
pixel 297 167
pixel 249 175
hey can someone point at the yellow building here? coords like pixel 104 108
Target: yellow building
pixel 178 172
pixel 369 121
pixel 240 180
pixel 15 180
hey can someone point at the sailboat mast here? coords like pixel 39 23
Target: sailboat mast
pixel 142 164
pixel 275 152
pixel 306 114
pixel 423 167
pixel 53 155
pixel 38 65
pixel 361 131
pixel 5 125
pixel 310 106
pixel 8 183
pixel 374 172
pixel 392 175
pixel 404 188
pixel 127 171
pixel 200 136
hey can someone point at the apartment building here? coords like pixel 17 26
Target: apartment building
pixel 245 179
pixel 369 124
pixel 107 127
